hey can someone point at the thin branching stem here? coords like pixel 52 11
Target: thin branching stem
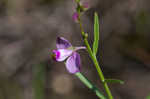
pixel 94 59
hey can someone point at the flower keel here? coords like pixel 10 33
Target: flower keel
pixel 73 63
pixel 61 54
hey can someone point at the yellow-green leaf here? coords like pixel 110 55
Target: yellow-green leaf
pixel 96 34
pixel 114 81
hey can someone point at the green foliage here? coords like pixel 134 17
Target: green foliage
pixel 90 85
pixel 148 97
pixel 39 81
pixel 96 34
pixel 114 81
pixel 77 1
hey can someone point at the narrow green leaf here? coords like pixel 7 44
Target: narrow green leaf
pixel 96 33
pixel 114 81
pixel 38 81
pixel 85 81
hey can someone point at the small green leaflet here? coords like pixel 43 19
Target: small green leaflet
pixel 85 81
pixel 114 81
pixel 96 34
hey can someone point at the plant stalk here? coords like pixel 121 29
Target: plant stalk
pixel 85 81
pixel 94 59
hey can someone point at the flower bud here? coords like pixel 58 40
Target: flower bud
pixel 75 16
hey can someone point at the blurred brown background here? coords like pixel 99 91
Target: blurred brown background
pixel 28 30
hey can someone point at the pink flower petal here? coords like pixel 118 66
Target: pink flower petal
pixel 62 43
pixel 61 54
pixel 73 63
pixel 75 16
pixel 85 5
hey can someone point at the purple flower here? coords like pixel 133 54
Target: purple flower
pixel 75 16
pixel 66 51
pixel 85 5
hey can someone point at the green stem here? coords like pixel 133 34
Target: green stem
pixel 90 85
pixel 94 59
